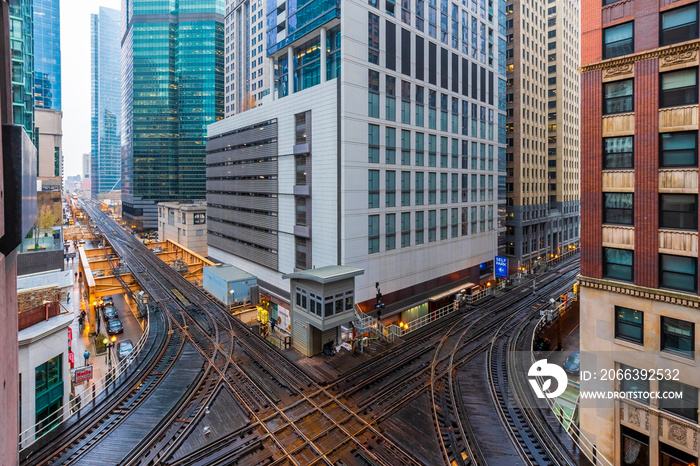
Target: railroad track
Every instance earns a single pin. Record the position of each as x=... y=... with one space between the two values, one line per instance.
x=292 y=419
x=312 y=412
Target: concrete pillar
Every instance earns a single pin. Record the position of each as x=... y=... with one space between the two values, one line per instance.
x=324 y=54
x=290 y=69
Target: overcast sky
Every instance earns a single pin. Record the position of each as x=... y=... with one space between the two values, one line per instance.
x=75 y=77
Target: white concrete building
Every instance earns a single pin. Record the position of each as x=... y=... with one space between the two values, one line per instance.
x=247 y=70
x=381 y=153
x=49 y=123
x=184 y=223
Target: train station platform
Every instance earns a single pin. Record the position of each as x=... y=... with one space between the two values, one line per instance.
x=325 y=369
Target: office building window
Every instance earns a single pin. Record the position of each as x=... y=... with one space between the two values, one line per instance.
x=618 y=40
x=678 y=211
x=629 y=325
x=618 y=264
x=632 y=385
x=618 y=208
x=373 y=233
x=405 y=189
x=373 y=189
x=390 y=150
x=405 y=229
x=390 y=98
x=678 y=336
x=618 y=153
x=679 y=88
x=373 y=102
x=420 y=227
x=390 y=189
x=420 y=188
x=679 y=149
x=685 y=407
x=679 y=25
x=373 y=38
x=373 y=143
x=678 y=272
x=432 y=226
x=390 y=231
x=618 y=97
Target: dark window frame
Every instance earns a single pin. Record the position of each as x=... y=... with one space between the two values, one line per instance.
x=693 y=215
x=619 y=335
x=662 y=282
x=606 y=54
x=664 y=338
x=663 y=42
x=607 y=166
x=606 y=273
x=630 y=97
x=662 y=151
x=606 y=220
x=664 y=96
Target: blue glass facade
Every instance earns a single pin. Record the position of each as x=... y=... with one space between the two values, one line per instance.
x=172 y=88
x=47 y=54
x=302 y=17
x=105 y=158
x=21 y=44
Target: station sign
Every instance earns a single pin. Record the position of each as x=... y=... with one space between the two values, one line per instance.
x=501 y=267
x=82 y=374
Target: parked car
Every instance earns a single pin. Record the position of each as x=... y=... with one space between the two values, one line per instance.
x=108 y=300
x=114 y=327
x=542 y=344
x=124 y=349
x=110 y=313
x=572 y=365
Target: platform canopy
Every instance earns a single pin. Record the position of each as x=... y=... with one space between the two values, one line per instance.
x=329 y=274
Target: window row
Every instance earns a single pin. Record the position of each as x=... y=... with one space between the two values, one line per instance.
x=677 y=25
x=324 y=306
x=449 y=224
x=675 y=272
x=676 y=88
x=676 y=150
x=449 y=150
x=677 y=336
x=676 y=211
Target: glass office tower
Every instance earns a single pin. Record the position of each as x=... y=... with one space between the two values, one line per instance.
x=22 y=45
x=105 y=159
x=172 y=88
x=47 y=54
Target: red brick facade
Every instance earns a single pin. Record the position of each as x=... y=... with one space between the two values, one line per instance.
x=591 y=174
x=646 y=172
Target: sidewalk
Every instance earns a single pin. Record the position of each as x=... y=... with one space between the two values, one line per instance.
x=81 y=340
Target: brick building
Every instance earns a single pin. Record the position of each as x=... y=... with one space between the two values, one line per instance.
x=639 y=179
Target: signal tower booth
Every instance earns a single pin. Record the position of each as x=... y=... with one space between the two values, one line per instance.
x=321 y=301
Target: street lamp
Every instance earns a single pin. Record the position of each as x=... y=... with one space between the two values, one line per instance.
x=109 y=347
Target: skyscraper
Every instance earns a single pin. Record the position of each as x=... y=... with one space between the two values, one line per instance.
x=639 y=220
x=47 y=54
x=172 y=88
x=379 y=148
x=105 y=160
x=542 y=130
x=22 y=40
x=247 y=76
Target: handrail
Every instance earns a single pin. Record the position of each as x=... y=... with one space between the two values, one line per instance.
x=577 y=436
x=76 y=405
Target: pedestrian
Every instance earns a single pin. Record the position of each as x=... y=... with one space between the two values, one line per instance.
x=68 y=298
x=76 y=275
x=80 y=322
x=86 y=355
x=272 y=325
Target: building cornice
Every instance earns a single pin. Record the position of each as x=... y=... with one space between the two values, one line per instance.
x=672 y=53
x=666 y=296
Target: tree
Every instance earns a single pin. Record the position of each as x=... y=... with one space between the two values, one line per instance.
x=46 y=220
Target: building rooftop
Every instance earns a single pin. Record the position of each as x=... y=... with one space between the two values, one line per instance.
x=44 y=328
x=331 y=273
x=229 y=272
x=200 y=204
x=60 y=278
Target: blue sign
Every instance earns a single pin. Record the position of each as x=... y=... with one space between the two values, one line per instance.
x=501 y=267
